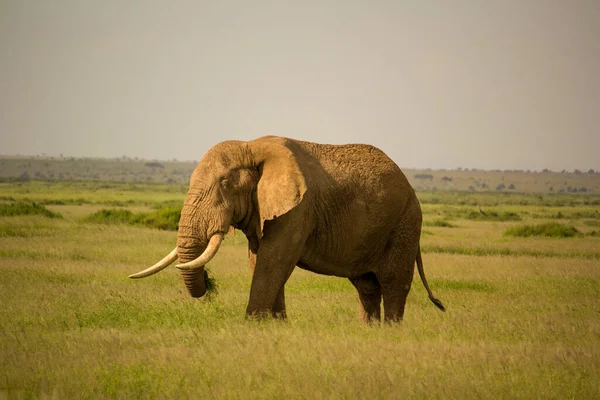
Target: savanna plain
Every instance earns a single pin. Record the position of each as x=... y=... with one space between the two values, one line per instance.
x=518 y=272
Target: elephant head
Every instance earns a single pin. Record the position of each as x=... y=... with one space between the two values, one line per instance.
x=236 y=184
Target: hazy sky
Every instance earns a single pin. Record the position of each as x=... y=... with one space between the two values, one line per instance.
x=505 y=84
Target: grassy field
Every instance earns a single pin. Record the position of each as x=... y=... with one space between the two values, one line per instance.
x=128 y=170
x=523 y=317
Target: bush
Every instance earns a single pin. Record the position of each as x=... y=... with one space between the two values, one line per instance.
x=166 y=218
x=26 y=208
x=550 y=229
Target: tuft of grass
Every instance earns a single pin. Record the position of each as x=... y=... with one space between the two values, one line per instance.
x=166 y=218
x=439 y=223
x=550 y=229
x=212 y=288
x=16 y=208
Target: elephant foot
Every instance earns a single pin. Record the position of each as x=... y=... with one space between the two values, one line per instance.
x=260 y=315
x=280 y=315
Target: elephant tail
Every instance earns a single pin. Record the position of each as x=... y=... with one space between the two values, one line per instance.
x=435 y=301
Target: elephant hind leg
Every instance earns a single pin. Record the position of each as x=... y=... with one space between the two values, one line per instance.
x=396 y=280
x=369 y=295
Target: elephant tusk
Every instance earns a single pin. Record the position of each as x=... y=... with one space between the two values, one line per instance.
x=159 y=266
x=206 y=256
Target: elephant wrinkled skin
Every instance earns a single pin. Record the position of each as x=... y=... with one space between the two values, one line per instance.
x=342 y=210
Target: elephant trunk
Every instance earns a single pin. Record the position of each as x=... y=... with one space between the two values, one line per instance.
x=194 y=280
x=189 y=247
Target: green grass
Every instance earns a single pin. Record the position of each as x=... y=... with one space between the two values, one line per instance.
x=578 y=214
x=491 y=215
x=15 y=208
x=508 y=251
x=439 y=223
x=592 y=223
x=522 y=319
x=549 y=229
x=491 y=199
x=166 y=218
x=454 y=212
x=115 y=194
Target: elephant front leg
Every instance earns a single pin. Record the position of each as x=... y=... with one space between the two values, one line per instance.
x=278 y=252
x=278 y=310
x=271 y=272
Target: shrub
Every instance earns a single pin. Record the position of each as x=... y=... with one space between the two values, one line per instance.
x=550 y=229
x=26 y=208
x=166 y=218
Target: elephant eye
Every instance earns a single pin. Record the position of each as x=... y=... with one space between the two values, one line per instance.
x=224 y=183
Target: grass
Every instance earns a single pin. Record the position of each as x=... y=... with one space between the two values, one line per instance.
x=592 y=223
x=166 y=218
x=522 y=319
x=15 y=208
x=493 y=216
x=115 y=194
x=491 y=199
x=439 y=223
x=549 y=229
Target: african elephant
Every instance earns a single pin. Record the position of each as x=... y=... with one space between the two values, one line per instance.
x=342 y=210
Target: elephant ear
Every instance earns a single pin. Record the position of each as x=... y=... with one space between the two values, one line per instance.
x=282 y=184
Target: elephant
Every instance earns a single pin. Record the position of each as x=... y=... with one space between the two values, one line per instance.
x=341 y=210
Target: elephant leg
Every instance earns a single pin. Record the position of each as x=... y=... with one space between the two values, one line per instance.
x=267 y=289
x=396 y=278
x=278 y=310
x=251 y=259
x=276 y=258
x=369 y=296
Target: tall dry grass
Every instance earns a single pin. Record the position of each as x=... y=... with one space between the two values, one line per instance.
x=520 y=324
